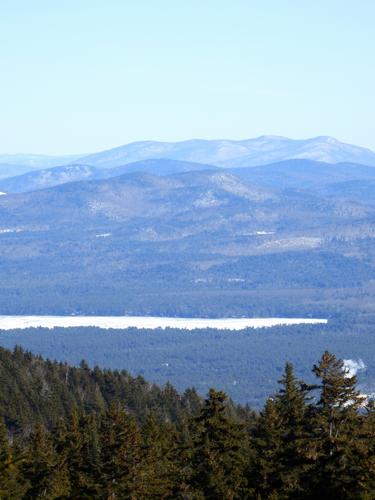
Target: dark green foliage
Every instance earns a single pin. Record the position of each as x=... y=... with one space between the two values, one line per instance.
x=12 y=484
x=36 y=391
x=43 y=468
x=281 y=460
x=250 y=360
x=340 y=445
x=308 y=442
x=264 y=471
x=219 y=451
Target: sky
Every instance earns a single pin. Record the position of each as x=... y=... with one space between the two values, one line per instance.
x=79 y=76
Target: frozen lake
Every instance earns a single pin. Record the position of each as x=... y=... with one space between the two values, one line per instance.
x=122 y=322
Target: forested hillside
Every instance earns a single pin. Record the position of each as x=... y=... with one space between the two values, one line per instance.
x=245 y=364
x=37 y=391
x=197 y=243
x=111 y=436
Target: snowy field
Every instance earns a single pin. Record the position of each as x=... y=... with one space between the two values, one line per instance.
x=122 y=322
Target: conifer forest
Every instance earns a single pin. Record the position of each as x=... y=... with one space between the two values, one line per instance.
x=76 y=432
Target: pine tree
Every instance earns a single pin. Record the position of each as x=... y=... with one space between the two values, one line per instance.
x=337 y=421
x=42 y=468
x=218 y=461
x=61 y=445
x=298 y=447
x=183 y=458
x=12 y=484
x=367 y=455
x=121 y=455
x=265 y=468
x=160 y=470
x=291 y=402
x=80 y=445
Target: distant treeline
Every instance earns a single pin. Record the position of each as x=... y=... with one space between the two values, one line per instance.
x=93 y=434
x=244 y=364
x=70 y=280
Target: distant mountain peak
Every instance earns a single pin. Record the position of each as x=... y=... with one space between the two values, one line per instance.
x=203 y=153
x=271 y=138
x=236 y=153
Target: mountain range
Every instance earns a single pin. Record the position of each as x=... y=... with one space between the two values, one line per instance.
x=225 y=235
x=195 y=242
x=225 y=153
x=342 y=180
x=55 y=176
x=124 y=232
x=245 y=153
x=198 y=242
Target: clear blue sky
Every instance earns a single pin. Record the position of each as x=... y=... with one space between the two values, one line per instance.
x=79 y=76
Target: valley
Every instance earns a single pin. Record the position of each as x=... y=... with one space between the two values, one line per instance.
x=208 y=263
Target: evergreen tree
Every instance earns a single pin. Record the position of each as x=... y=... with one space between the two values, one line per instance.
x=12 y=484
x=337 y=421
x=42 y=468
x=296 y=448
x=184 y=452
x=121 y=457
x=280 y=441
x=264 y=476
x=75 y=444
x=293 y=460
x=367 y=454
x=160 y=470
x=218 y=460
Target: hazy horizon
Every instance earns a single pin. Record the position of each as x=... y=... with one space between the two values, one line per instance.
x=87 y=153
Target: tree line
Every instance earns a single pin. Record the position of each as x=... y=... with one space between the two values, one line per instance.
x=113 y=436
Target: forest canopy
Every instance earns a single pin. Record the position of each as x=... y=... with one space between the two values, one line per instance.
x=76 y=432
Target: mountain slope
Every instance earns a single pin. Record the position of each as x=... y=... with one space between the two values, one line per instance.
x=131 y=195
x=304 y=174
x=208 y=200
x=362 y=191
x=322 y=148
x=159 y=166
x=45 y=178
x=55 y=176
x=19 y=164
x=23 y=403
x=194 y=243
x=227 y=153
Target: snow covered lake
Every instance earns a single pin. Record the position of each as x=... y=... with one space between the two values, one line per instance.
x=122 y=322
